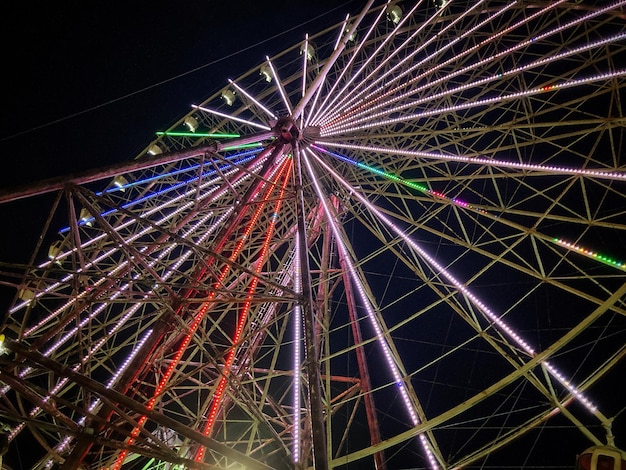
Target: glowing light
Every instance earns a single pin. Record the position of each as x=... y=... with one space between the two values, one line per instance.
x=436 y=267
x=400 y=180
x=598 y=173
x=279 y=85
x=297 y=353
x=234 y=118
x=247 y=156
x=243 y=146
x=251 y=98
x=591 y=254
x=375 y=321
x=197 y=134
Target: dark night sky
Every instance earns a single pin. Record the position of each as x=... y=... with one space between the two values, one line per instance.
x=87 y=84
x=90 y=82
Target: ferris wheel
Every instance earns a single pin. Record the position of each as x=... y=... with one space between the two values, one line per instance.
x=399 y=243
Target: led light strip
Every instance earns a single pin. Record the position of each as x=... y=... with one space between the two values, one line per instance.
x=64 y=444
x=590 y=254
x=378 y=94
x=234 y=118
x=437 y=268
x=371 y=314
x=400 y=180
x=339 y=129
x=247 y=156
x=610 y=175
x=197 y=134
x=297 y=353
x=254 y=100
x=279 y=85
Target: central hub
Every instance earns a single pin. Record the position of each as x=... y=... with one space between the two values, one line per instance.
x=287 y=132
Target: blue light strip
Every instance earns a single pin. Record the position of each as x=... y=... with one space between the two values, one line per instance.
x=247 y=156
x=400 y=180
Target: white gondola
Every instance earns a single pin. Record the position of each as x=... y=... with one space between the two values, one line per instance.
x=310 y=51
x=351 y=30
x=54 y=252
x=120 y=182
x=266 y=73
x=85 y=217
x=229 y=96
x=191 y=123
x=155 y=149
x=394 y=13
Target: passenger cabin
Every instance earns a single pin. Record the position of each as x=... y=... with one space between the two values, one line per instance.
x=602 y=458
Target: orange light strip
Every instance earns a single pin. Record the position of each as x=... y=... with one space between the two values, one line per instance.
x=219 y=393
x=194 y=326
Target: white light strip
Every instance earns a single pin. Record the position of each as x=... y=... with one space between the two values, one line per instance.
x=297 y=353
x=372 y=316
x=318 y=92
x=251 y=98
x=440 y=270
x=279 y=85
x=234 y=118
x=610 y=175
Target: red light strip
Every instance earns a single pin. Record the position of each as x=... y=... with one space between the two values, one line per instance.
x=219 y=393
x=193 y=327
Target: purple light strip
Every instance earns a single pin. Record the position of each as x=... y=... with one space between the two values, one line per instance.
x=339 y=129
x=373 y=317
x=440 y=270
x=610 y=175
x=398 y=96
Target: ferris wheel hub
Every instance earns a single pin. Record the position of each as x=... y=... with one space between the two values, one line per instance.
x=286 y=130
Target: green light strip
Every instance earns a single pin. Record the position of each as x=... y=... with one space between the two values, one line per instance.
x=590 y=254
x=400 y=180
x=198 y=134
x=243 y=146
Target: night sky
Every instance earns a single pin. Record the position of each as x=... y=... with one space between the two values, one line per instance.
x=87 y=84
